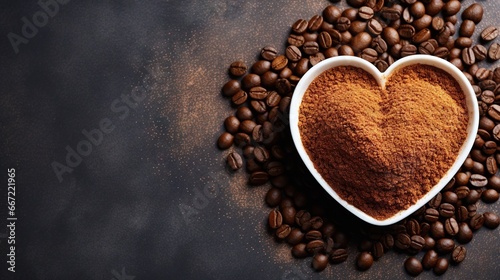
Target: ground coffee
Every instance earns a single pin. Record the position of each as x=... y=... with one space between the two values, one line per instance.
x=383 y=149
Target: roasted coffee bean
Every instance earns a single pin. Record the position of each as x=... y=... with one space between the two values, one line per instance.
x=494 y=51
x=462 y=192
x=412 y=227
x=472 y=197
x=429 y=243
x=374 y=27
x=464 y=234
x=247 y=126
x=458 y=254
x=377 y=250
x=301 y=217
x=361 y=41
x=356 y=3
x=437 y=23
x=462 y=214
x=295 y=236
x=299 y=26
x=369 y=54
x=261 y=154
x=258 y=178
x=491 y=220
x=435 y=201
x=451 y=226
x=365 y=13
x=488 y=97
x=468 y=56
x=296 y=40
x=433 y=7
x=441 y=265
x=408 y=50
x=430 y=259
x=273 y=197
x=446 y=210
x=474 y=12
x=343 y=24
x=315 y=23
x=244 y=113
x=463 y=42
x=421 y=36
x=450 y=197
x=273 y=99
x=293 y=53
x=365 y=245
x=494 y=181
x=324 y=41
x=413 y=266
x=260 y=67
x=331 y=14
x=258 y=93
x=338 y=255
x=478 y=181
x=451 y=7
x=445 y=245
x=402 y=241
x=381 y=65
x=283 y=231
x=313 y=235
x=250 y=80
x=489 y=33
x=238 y=68
x=234 y=161
x=379 y=45
x=225 y=140
x=364 y=261
x=283 y=86
x=315 y=246
x=417 y=243
x=467 y=28
x=424 y=22
x=442 y=52
x=406 y=31
x=275 y=219
x=231 y=124
x=390 y=13
x=231 y=88
x=268 y=53
x=489 y=147
x=345 y=50
x=299 y=251
x=319 y=262
x=357 y=26
x=431 y=215
x=476 y=222
x=437 y=230
x=472 y=208
x=489 y=196
x=288 y=214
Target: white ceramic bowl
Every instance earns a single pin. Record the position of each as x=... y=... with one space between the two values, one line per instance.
x=472 y=108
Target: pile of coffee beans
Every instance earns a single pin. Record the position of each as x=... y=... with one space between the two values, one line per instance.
x=381 y=32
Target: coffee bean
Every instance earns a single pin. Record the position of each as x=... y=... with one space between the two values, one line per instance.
x=268 y=53
x=451 y=226
x=472 y=208
x=462 y=192
x=433 y=7
x=283 y=231
x=413 y=266
x=421 y=36
x=429 y=243
x=231 y=124
x=489 y=196
x=365 y=13
x=417 y=243
x=441 y=266
x=474 y=12
x=374 y=27
x=491 y=220
x=258 y=178
x=238 y=68
x=424 y=22
x=446 y=210
x=445 y=245
x=342 y=24
x=435 y=201
x=225 y=140
x=478 y=181
x=244 y=113
x=451 y=7
x=364 y=261
x=464 y=234
x=450 y=197
x=300 y=26
x=406 y=31
x=442 y=52
x=315 y=23
x=467 y=28
x=369 y=54
x=462 y=214
x=402 y=241
x=408 y=50
x=431 y=215
x=338 y=255
x=331 y=14
x=275 y=219
x=494 y=51
x=231 y=88
x=468 y=56
x=381 y=65
x=430 y=259
x=299 y=251
x=390 y=13
x=437 y=230
x=320 y=262
x=250 y=80
x=489 y=33
x=458 y=254
x=313 y=235
x=346 y=50
x=234 y=161
x=476 y=222
x=377 y=250
x=357 y=26
x=295 y=236
x=295 y=40
x=361 y=41
x=315 y=246
x=324 y=40
x=356 y=3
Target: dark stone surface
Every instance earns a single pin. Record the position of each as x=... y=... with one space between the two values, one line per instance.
x=119 y=212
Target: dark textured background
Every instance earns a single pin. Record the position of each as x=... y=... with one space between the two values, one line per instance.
x=119 y=213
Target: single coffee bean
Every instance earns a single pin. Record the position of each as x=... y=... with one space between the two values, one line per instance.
x=225 y=140
x=268 y=53
x=315 y=246
x=435 y=201
x=450 y=197
x=231 y=124
x=260 y=67
x=463 y=42
x=315 y=23
x=431 y=215
x=491 y=220
x=468 y=56
x=244 y=113
x=275 y=219
x=451 y=7
x=288 y=214
x=402 y=241
x=346 y=50
x=299 y=251
x=445 y=245
x=417 y=243
x=331 y=14
x=283 y=231
x=472 y=208
x=313 y=235
x=489 y=196
x=295 y=236
x=338 y=255
x=390 y=13
x=234 y=161
x=301 y=217
x=442 y=52
x=441 y=266
x=474 y=12
x=295 y=40
x=429 y=243
x=324 y=40
x=413 y=266
x=231 y=88
x=343 y=24
x=273 y=197
x=437 y=23
x=446 y=210
x=437 y=230
x=489 y=33
x=374 y=27
x=250 y=80
x=433 y=7
x=408 y=50
x=430 y=259
x=462 y=192
x=293 y=53
x=462 y=214
x=258 y=178
x=464 y=234
x=319 y=262
x=476 y=222
x=478 y=181
x=378 y=250
x=488 y=97
x=458 y=255
x=451 y=226
x=421 y=36
x=494 y=51
x=406 y=31
x=364 y=261
x=238 y=68
x=300 y=26
x=467 y=28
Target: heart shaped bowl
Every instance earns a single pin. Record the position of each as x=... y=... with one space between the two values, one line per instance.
x=472 y=126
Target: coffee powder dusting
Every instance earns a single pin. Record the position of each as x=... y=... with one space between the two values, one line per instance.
x=383 y=149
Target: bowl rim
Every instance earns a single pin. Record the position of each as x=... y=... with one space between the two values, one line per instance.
x=472 y=126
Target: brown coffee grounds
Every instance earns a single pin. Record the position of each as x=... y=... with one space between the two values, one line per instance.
x=383 y=149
